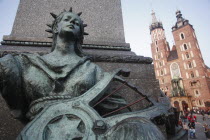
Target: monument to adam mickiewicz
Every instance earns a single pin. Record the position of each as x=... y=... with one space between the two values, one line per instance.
x=65 y=96
x=58 y=92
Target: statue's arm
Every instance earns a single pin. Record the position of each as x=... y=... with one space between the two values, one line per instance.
x=9 y=75
x=10 y=85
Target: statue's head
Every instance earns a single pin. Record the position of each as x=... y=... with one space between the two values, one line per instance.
x=67 y=25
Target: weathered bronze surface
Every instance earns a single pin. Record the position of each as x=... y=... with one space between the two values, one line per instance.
x=58 y=93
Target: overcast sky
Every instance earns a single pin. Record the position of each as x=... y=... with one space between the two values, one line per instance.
x=137 y=18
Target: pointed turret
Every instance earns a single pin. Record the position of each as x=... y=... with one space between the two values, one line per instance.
x=155 y=23
x=180 y=21
x=154 y=19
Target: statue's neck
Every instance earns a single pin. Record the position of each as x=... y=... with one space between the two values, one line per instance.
x=65 y=47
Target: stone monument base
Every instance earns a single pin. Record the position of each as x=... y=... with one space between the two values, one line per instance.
x=142 y=75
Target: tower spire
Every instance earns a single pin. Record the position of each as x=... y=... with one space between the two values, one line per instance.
x=154 y=19
x=179 y=16
x=180 y=21
x=155 y=23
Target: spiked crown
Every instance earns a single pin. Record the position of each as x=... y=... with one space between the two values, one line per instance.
x=51 y=26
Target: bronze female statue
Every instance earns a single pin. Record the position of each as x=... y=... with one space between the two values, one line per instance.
x=55 y=92
x=63 y=73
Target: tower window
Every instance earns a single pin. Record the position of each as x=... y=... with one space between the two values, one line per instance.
x=190 y=65
x=196 y=92
x=185 y=46
x=161 y=72
x=160 y=63
x=159 y=56
x=156 y=43
x=157 y=49
x=191 y=83
x=182 y=36
x=192 y=75
x=187 y=55
x=200 y=102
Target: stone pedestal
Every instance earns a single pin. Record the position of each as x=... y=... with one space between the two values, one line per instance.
x=104 y=19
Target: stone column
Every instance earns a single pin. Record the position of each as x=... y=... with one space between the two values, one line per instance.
x=104 y=19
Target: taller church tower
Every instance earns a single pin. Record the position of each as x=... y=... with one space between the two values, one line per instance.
x=160 y=51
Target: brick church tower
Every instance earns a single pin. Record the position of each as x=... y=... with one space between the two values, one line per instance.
x=181 y=71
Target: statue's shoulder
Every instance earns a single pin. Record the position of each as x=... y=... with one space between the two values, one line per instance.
x=8 y=60
x=27 y=58
x=7 y=57
x=30 y=55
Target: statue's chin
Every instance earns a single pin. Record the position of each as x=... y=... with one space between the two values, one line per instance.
x=68 y=34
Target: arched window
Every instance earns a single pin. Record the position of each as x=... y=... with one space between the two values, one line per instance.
x=196 y=92
x=187 y=55
x=159 y=56
x=157 y=49
x=200 y=102
x=160 y=64
x=185 y=46
x=175 y=71
x=161 y=72
x=190 y=65
x=182 y=36
x=163 y=81
x=156 y=43
x=192 y=74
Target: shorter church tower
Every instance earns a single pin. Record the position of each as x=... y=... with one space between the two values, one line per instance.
x=193 y=68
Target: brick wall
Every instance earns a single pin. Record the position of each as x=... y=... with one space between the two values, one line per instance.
x=194 y=73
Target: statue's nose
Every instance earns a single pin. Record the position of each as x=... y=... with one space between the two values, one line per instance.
x=72 y=20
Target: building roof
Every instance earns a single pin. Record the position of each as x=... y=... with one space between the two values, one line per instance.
x=172 y=55
x=180 y=21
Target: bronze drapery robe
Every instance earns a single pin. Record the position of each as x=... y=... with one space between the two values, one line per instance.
x=28 y=77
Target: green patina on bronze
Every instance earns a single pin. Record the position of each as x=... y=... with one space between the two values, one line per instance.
x=55 y=92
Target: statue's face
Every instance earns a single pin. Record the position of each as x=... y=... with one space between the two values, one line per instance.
x=69 y=25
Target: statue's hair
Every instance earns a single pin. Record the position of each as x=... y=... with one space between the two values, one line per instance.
x=53 y=30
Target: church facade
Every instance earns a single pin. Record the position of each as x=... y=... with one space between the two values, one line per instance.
x=180 y=70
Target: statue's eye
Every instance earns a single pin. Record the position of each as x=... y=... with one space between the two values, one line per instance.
x=65 y=19
x=77 y=23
